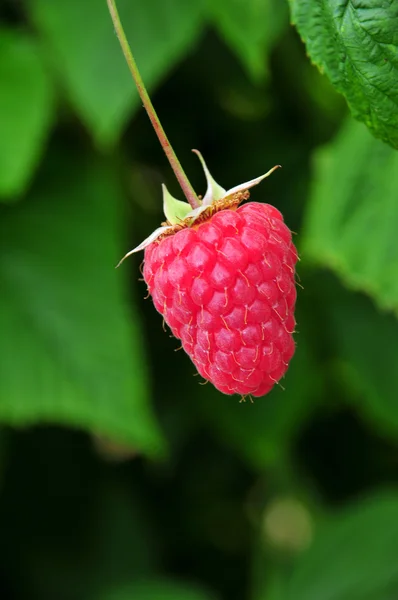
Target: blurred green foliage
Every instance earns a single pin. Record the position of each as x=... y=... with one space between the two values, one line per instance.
x=122 y=478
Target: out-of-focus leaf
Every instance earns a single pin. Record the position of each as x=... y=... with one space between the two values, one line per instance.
x=353 y=214
x=26 y=110
x=251 y=28
x=90 y=61
x=356 y=44
x=71 y=350
x=367 y=349
x=353 y=557
x=157 y=589
x=263 y=431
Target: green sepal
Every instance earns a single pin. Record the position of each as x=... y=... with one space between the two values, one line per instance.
x=174 y=210
x=214 y=191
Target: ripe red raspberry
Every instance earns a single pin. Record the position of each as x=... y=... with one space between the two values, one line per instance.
x=223 y=278
x=226 y=288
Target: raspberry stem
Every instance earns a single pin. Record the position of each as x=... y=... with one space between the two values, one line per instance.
x=173 y=160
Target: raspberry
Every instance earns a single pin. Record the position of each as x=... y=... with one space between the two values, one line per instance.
x=226 y=288
x=223 y=277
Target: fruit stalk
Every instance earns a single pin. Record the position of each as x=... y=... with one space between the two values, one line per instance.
x=173 y=160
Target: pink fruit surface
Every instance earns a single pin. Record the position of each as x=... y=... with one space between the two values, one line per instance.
x=226 y=288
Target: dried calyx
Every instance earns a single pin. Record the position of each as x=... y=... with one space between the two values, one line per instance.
x=180 y=214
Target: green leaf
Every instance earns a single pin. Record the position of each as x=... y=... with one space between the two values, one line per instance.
x=353 y=214
x=353 y=557
x=251 y=28
x=263 y=431
x=366 y=344
x=90 y=61
x=26 y=111
x=71 y=351
x=156 y=589
x=355 y=42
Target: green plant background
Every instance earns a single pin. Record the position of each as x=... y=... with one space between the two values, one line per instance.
x=121 y=477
